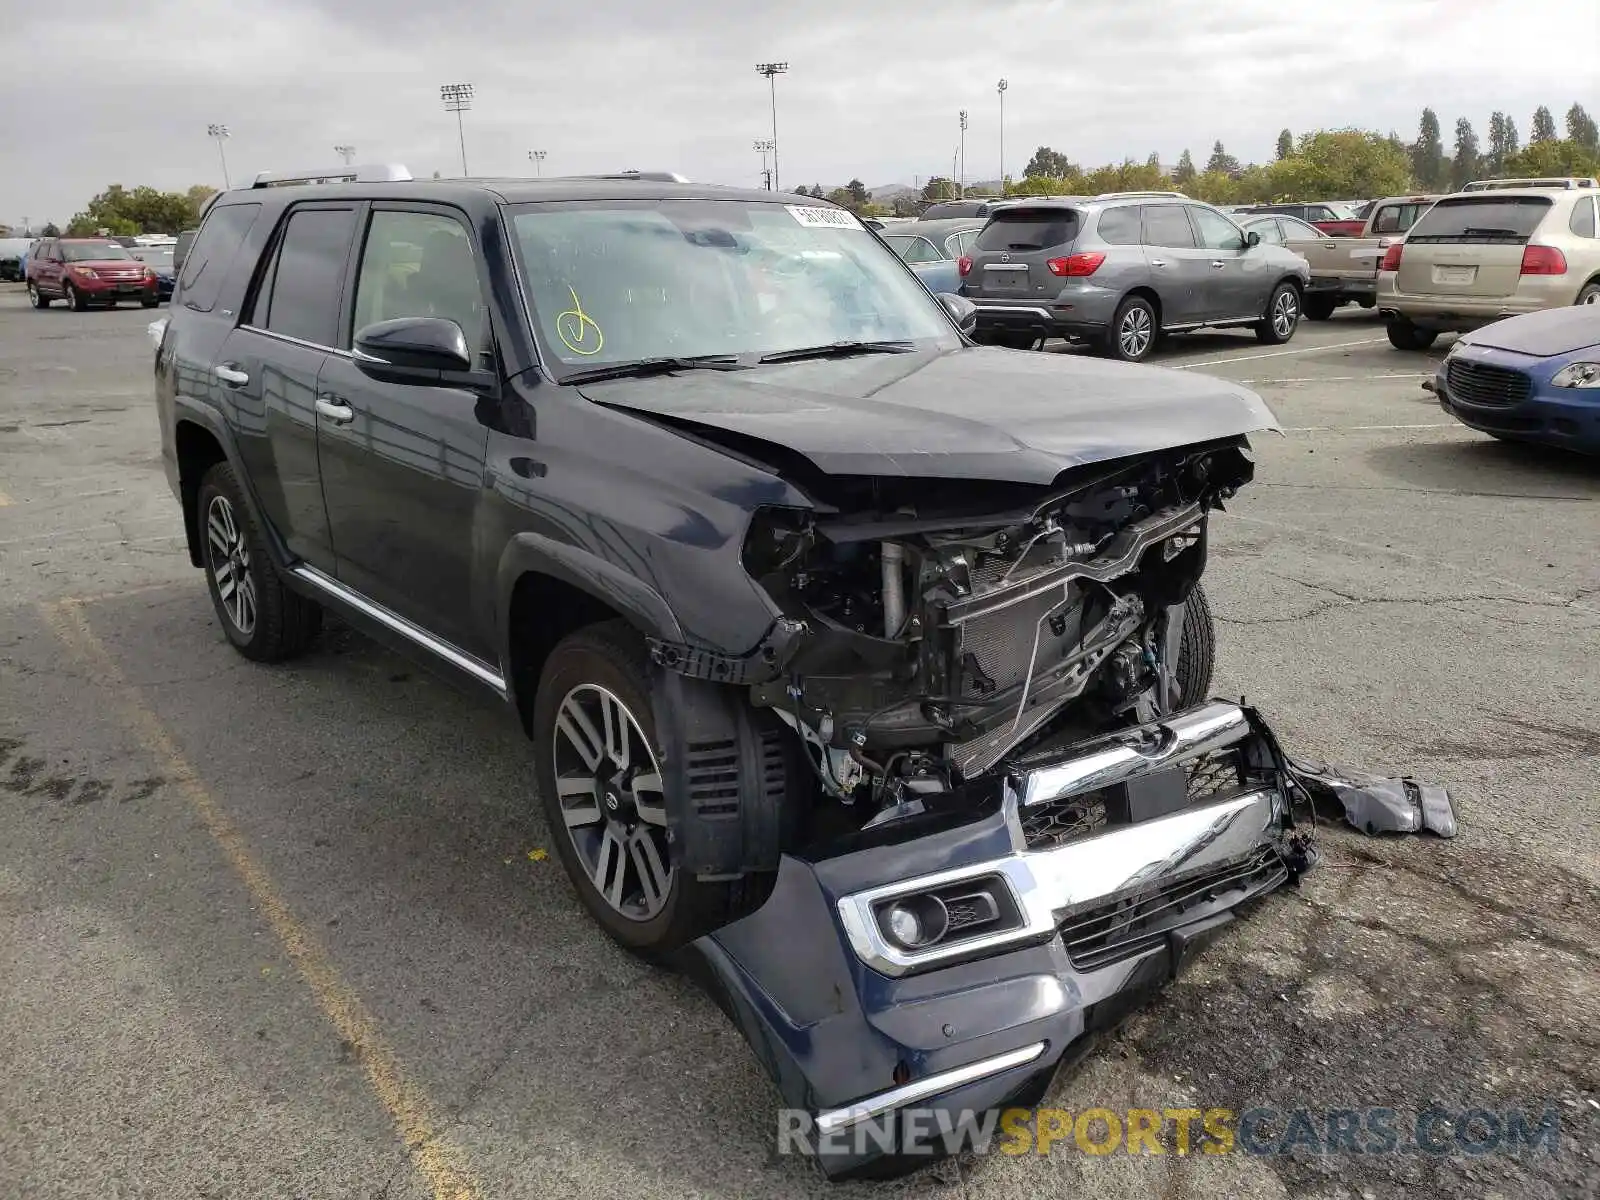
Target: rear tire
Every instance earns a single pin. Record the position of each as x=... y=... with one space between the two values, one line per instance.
x=1197 y=652
x=263 y=619
x=599 y=666
x=1282 y=316
x=1590 y=293
x=1318 y=308
x=1134 y=331
x=1403 y=335
x=37 y=298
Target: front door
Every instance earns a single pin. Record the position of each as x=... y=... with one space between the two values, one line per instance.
x=266 y=372
x=403 y=464
x=1236 y=275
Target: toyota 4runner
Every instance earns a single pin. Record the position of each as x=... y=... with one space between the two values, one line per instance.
x=863 y=665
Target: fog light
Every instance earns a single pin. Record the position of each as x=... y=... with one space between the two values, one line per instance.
x=916 y=921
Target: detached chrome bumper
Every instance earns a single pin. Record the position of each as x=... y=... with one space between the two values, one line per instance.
x=1104 y=864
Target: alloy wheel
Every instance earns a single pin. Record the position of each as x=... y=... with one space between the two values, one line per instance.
x=1285 y=313
x=609 y=786
x=229 y=556
x=1590 y=297
x=1135 y=332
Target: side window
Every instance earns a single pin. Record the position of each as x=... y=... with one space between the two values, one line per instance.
x=964 y=242
x=1167 y=225
x=1318 y=212
x=920 y=251
x=1270 y=231
x=308 y=276
x=420 y=264
x=1120 y=226
x=1216 y=231
x=1387 y=220
x=1582 y=221
x=210 y=259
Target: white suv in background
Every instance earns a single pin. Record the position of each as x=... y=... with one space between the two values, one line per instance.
x=1487 y=253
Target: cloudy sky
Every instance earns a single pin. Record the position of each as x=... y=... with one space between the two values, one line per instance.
x=873 y=88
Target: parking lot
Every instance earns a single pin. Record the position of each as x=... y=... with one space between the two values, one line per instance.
x=291 y=931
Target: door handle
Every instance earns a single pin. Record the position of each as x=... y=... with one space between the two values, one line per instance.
x=229 y=373
x=335 y=409
x=1158 y=262
x=1218 y=263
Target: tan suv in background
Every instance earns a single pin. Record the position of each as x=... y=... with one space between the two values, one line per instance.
x=1492 y=252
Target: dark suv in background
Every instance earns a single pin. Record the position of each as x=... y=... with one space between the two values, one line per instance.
x=807 y=603
x=1120 y=270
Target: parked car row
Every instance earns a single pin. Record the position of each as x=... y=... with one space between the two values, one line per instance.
x=86 y=271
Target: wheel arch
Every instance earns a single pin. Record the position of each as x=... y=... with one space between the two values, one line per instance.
x=198 y=449
x=1147 y=293
x=548 y=590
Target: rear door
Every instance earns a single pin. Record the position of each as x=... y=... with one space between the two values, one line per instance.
x=268 y=369
x=1470 y=245
x=1179 y=269
x=1010 y=252
x=45 y=266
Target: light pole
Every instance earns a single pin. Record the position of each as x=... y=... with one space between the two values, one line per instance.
x=1001 y=89
x=536 y=157
x=772 y=70
x=765 y=146
x=961 y=186
x=220 y=132
x=347 y=153
x=457 y=98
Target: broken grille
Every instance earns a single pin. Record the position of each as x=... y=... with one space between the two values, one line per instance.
x=1045 y=826
x=1121 y=929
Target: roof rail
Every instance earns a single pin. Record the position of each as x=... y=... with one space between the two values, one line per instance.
x=1565 y=183
x=644 y=176
x=372 y=173
x=1136 y=195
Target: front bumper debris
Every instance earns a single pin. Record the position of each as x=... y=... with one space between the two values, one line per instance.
x=1105 y=866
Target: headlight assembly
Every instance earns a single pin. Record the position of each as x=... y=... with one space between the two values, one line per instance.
x=1578 y=375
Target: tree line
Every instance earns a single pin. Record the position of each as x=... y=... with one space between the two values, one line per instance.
x=1336 y=164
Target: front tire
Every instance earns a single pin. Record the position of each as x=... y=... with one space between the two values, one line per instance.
x=75 y=299
x=1282 y=316
x=601 y=788
x=37 y=298
x=1403 y=335
x=1134 y=331
x=1197 y=651
x=263 y=619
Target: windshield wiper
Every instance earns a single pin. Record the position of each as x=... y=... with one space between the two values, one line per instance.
x=838 y=350
x=656 y=366
x=1474 y=231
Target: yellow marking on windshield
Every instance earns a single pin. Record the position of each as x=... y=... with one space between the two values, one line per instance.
x=573 y=326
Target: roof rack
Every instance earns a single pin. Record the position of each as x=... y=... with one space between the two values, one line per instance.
x=372 y=173
x=645 y=176
x=1565 y=183
x=1137 y=195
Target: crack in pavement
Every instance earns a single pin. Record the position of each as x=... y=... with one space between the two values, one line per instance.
x=1342 y=599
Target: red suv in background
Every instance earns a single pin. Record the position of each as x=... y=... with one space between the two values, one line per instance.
x=85 y=271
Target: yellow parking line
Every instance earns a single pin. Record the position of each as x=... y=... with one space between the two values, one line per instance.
x=435 y=1157
x=4 y=499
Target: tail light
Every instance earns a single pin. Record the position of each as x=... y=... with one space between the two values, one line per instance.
x=1075 y=265
x=963 y=265
x=1543 y=260
x=1391 y=257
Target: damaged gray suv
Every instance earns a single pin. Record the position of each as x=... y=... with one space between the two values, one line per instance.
x=865 y=667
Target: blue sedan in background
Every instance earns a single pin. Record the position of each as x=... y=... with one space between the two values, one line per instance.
x=1533 y=378
x=932 y=248
x=159 y=260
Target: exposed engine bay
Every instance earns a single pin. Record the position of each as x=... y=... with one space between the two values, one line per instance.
x=936 y=631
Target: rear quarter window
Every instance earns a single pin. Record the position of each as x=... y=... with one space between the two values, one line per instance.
x=1489 y=220
x=1119 y=226
x=210 y=260
x=1029 y=229
x=1582 y=220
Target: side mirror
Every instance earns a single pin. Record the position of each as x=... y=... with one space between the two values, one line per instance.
x=1252 y=239
x=962 y=311
x=412 y=350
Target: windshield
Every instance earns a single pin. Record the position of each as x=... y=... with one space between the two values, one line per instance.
x=92 y=251
x=620 y=281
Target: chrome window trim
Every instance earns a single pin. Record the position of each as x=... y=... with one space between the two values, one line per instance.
x=294 y=341
x=478 y=669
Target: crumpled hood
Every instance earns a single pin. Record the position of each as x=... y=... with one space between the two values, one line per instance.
x=1542 y=334
x=977 y=413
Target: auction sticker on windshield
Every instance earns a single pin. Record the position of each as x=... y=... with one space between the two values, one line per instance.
x=823 y=218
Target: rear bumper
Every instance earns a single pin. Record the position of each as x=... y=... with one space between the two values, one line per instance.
x=1075 y=310
x=869 y=1044
x=1460 y=314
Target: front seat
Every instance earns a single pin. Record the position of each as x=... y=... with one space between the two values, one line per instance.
x=445 y=284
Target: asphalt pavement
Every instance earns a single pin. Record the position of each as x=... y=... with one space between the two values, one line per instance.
x=294 y=931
